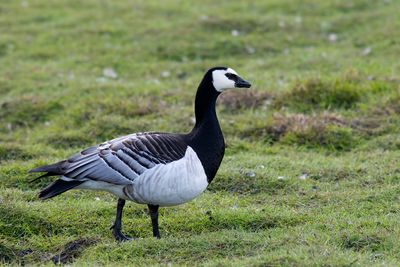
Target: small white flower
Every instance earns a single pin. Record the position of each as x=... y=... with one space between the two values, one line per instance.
x=303 y=176
x=110 y=73
x=332 y=37
x=165 y=74
x=367 y=51
x=235 y=33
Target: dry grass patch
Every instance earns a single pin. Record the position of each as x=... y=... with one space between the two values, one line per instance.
x=323 y=130
x=328 y=130
x=236 y=100
x=317 y=94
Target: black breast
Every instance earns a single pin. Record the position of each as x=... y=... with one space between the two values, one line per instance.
x=209 y=145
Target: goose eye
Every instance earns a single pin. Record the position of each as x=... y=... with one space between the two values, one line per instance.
x=231 y=76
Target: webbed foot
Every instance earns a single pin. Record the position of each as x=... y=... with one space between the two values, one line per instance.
x=119 y=236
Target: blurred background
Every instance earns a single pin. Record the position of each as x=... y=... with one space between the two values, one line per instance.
x=311 y=169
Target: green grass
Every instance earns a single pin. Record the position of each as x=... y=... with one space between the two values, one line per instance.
x=311 y=175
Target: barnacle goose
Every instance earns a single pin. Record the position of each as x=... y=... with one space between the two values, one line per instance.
x=153 y=168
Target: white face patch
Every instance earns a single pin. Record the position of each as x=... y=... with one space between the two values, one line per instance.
x=221 y=82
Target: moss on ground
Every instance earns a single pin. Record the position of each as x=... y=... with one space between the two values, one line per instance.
x=311 y=173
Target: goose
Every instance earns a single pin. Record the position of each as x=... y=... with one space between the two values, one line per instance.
x=153 y=168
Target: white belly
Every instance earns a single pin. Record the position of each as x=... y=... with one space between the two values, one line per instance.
x=170 y=184
x=164 y=185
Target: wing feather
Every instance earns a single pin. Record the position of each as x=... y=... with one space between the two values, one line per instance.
x=118 y=165
x=121 y=160
x=135 y=163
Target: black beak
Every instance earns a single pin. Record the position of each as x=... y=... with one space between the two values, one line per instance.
x=240 y=83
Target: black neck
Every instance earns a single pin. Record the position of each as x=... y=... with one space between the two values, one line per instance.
x=204 y=107
x=206 y=137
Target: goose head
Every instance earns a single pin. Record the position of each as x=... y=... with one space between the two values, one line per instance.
x=226 y=78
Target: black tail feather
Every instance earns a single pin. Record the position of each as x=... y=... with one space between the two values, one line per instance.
x=50 y=170
x=57 y=187
x=55 y=169
x=41 y=176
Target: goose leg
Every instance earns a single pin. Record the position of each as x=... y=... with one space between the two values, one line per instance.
x=154 y=219
x=116 y=228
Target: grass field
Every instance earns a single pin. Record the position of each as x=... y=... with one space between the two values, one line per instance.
x=311 y=175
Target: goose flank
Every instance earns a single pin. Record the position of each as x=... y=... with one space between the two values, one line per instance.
x=153 y=168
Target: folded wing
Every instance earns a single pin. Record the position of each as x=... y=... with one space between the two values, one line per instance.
x=119 y=161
